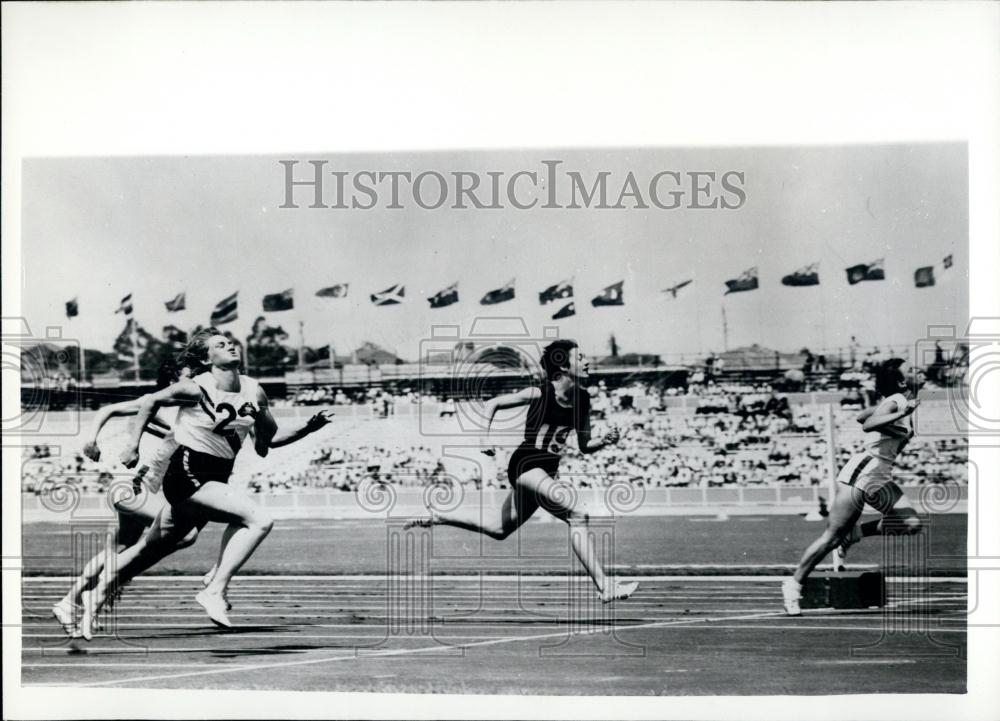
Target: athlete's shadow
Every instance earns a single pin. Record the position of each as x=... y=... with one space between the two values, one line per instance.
x=208 y=632
x=278 y=650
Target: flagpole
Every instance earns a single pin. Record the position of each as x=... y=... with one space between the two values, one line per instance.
x=302 y=345
x=725 y=328
x=135 y=348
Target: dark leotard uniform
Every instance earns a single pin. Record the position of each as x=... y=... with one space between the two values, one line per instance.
x=546 y=432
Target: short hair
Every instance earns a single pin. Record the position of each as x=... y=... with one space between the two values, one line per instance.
x=555 y=357
x=195 y=353
x=889 y=377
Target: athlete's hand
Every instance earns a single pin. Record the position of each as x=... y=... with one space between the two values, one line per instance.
x=613 y=436
x=319 y=420
x=91 y=451
x=911 y=405
x=130 y=456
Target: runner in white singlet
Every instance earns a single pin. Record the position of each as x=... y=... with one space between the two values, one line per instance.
x=867 y=478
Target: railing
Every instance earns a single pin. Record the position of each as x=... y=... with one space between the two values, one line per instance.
x=409 y=502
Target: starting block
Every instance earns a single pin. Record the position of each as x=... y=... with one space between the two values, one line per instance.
x=847 y=589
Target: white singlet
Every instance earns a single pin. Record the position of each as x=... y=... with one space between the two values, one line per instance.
x=220 y=420
x=874 y=464
x=156 y=447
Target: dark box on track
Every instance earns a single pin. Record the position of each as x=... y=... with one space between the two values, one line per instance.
x=848 y=589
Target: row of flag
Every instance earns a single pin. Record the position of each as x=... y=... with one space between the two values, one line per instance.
x=226 y=310
x=923 y=277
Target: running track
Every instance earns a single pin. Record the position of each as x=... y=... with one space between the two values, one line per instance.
x=505 y=634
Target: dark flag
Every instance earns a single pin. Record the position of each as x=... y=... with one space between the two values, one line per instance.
x=225 y=310
x=72 y=308
x=866 y=271
x=947 y=261
x=556 y=292
x=565 y=312
x=808 y=275
x=174 y=335
x=674 y=288
x=924 y=277
x=612 y=295
x=275 y=302
x=499 y=295
x=444 y=298
x=126 y=305
x=393 y=295
x=333 y=291
x=746 y=281
x=178 y=303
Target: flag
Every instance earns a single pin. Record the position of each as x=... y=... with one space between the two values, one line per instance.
x=126 y=305
x=333 y=291
x=565 y=312
x=746 y=281
x=556 y=292
x=72 y=308
x=866 y=271
x=178 y=303
x=499 y=295
x=612 y=295
x=924 y=277
x=947 y=261
x=444 y=298
x=393 y=295
x=674 y=288
x=275 y=302
x=225 y=310
x=807 y=275
x=174 y=335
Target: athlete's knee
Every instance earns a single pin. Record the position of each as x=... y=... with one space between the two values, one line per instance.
x=902 y=524
x=188 y=539
x=261 y=521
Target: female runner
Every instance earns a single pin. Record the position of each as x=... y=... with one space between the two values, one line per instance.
x=218 y=409
x=557 y=408
x=867 y=478
x=136 y=513
x=169 y=532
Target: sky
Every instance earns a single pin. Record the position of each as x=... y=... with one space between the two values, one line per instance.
x=97 y=229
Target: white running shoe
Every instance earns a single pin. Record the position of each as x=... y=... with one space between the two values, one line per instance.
x=791 y=590
x=65 y=613
x=618 y=591
x=88 y=621
x=215 y=607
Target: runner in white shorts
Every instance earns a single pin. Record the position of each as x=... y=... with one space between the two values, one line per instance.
x=867 y=478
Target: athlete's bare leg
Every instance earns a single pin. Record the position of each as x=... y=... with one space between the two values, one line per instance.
x=532 y=489
x=250 y=525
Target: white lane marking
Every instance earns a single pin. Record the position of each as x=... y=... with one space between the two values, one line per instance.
x=452 y=637
x=861 y=661
x=437 y=648
x=510 y=577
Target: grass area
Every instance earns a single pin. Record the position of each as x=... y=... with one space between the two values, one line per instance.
x=640 y=545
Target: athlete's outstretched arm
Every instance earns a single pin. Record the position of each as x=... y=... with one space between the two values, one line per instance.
x=284 y=438
x=886 y=413
x=264 y=425
x=509 y=400
x=183 y=391
x=106 y=413
x=592 y=445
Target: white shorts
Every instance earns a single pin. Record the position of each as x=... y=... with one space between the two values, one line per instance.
x=873 y=477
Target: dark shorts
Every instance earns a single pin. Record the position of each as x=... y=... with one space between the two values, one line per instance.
x=190 y=470
x=526 y=458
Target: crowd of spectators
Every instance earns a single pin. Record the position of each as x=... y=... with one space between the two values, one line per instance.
x=730 y=434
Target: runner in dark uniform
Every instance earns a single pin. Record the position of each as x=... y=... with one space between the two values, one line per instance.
x=559 y=407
